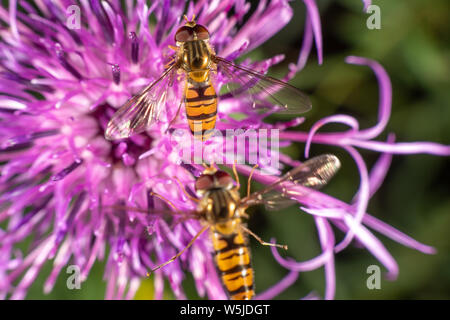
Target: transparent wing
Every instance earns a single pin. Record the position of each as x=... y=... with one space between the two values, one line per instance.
x=260 y=91
x=314 y=173
x=142 y=110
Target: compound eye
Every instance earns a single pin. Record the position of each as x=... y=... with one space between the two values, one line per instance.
x=204 y=182
x=223 y=178
x=184 y=34
x=202 y=32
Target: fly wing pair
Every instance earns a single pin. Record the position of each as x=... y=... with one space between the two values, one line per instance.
x=251 y=87
x=142 y=110
x=313 y=173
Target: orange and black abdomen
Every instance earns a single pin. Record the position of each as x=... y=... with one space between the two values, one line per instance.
x=201 y=107
x=232 y=258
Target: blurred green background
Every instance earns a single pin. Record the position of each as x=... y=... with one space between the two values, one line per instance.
x=412 y=45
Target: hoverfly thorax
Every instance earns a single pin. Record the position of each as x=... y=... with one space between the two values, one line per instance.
x=220 y=196
x=195 y=52
x=221 y=210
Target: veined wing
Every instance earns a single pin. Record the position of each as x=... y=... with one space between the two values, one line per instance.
x=313 y=173
x=142 y=110
x=262 y=92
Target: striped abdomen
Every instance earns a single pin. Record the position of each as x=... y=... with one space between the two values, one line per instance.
x=201 y=107
x=232 y=258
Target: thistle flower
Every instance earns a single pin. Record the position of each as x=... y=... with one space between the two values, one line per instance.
x=60 y=86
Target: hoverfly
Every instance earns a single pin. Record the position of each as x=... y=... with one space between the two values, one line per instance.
x=221 y=210
x=196 y=61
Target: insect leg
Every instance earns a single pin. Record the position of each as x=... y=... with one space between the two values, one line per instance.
x=185 y=191
x=168 y=64
x=238 y=184
x=170 y=204
x=176 y=116
x=250 y=179
x=282 y=246
x=181 y=252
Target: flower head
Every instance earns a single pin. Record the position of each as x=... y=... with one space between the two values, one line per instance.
x=68 y=188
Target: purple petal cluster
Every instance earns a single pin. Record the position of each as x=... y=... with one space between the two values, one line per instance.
x=64 y=188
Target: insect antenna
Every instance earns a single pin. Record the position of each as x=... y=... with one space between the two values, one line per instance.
x=190 y=23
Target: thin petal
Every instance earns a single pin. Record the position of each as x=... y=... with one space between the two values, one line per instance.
x=282 y=285
x=339 y=118
x=313 y=13
x=326 y=237
x=362 y=200
x=385 y=96
x=373 y=245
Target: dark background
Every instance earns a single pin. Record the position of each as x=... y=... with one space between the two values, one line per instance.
x=412 y=45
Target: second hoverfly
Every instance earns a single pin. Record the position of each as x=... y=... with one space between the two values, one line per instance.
x=222 y=211
x=197 y=62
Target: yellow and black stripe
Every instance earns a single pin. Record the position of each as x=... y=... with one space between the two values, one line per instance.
x=201 y=108
x=232 y=258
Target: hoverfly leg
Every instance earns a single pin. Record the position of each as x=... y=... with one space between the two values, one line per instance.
x=238 y=184
x=185 y=191
x=285 y=247
x=174 y=118
x=244 y=215
x=181 y=252
x=250 y=179
x=170 y=204
x=168 y=64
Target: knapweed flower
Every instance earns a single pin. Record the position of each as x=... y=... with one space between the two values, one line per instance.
x=66 y=188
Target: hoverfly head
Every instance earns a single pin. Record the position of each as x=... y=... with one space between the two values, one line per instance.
x=204 y=182
x=191 y=31
x=223 y=180
x=213 y=180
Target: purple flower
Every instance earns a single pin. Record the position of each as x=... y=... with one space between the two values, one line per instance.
x=64 y=186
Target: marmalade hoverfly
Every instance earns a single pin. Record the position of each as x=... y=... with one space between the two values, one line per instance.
x=196 y=61
x=221 y=210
